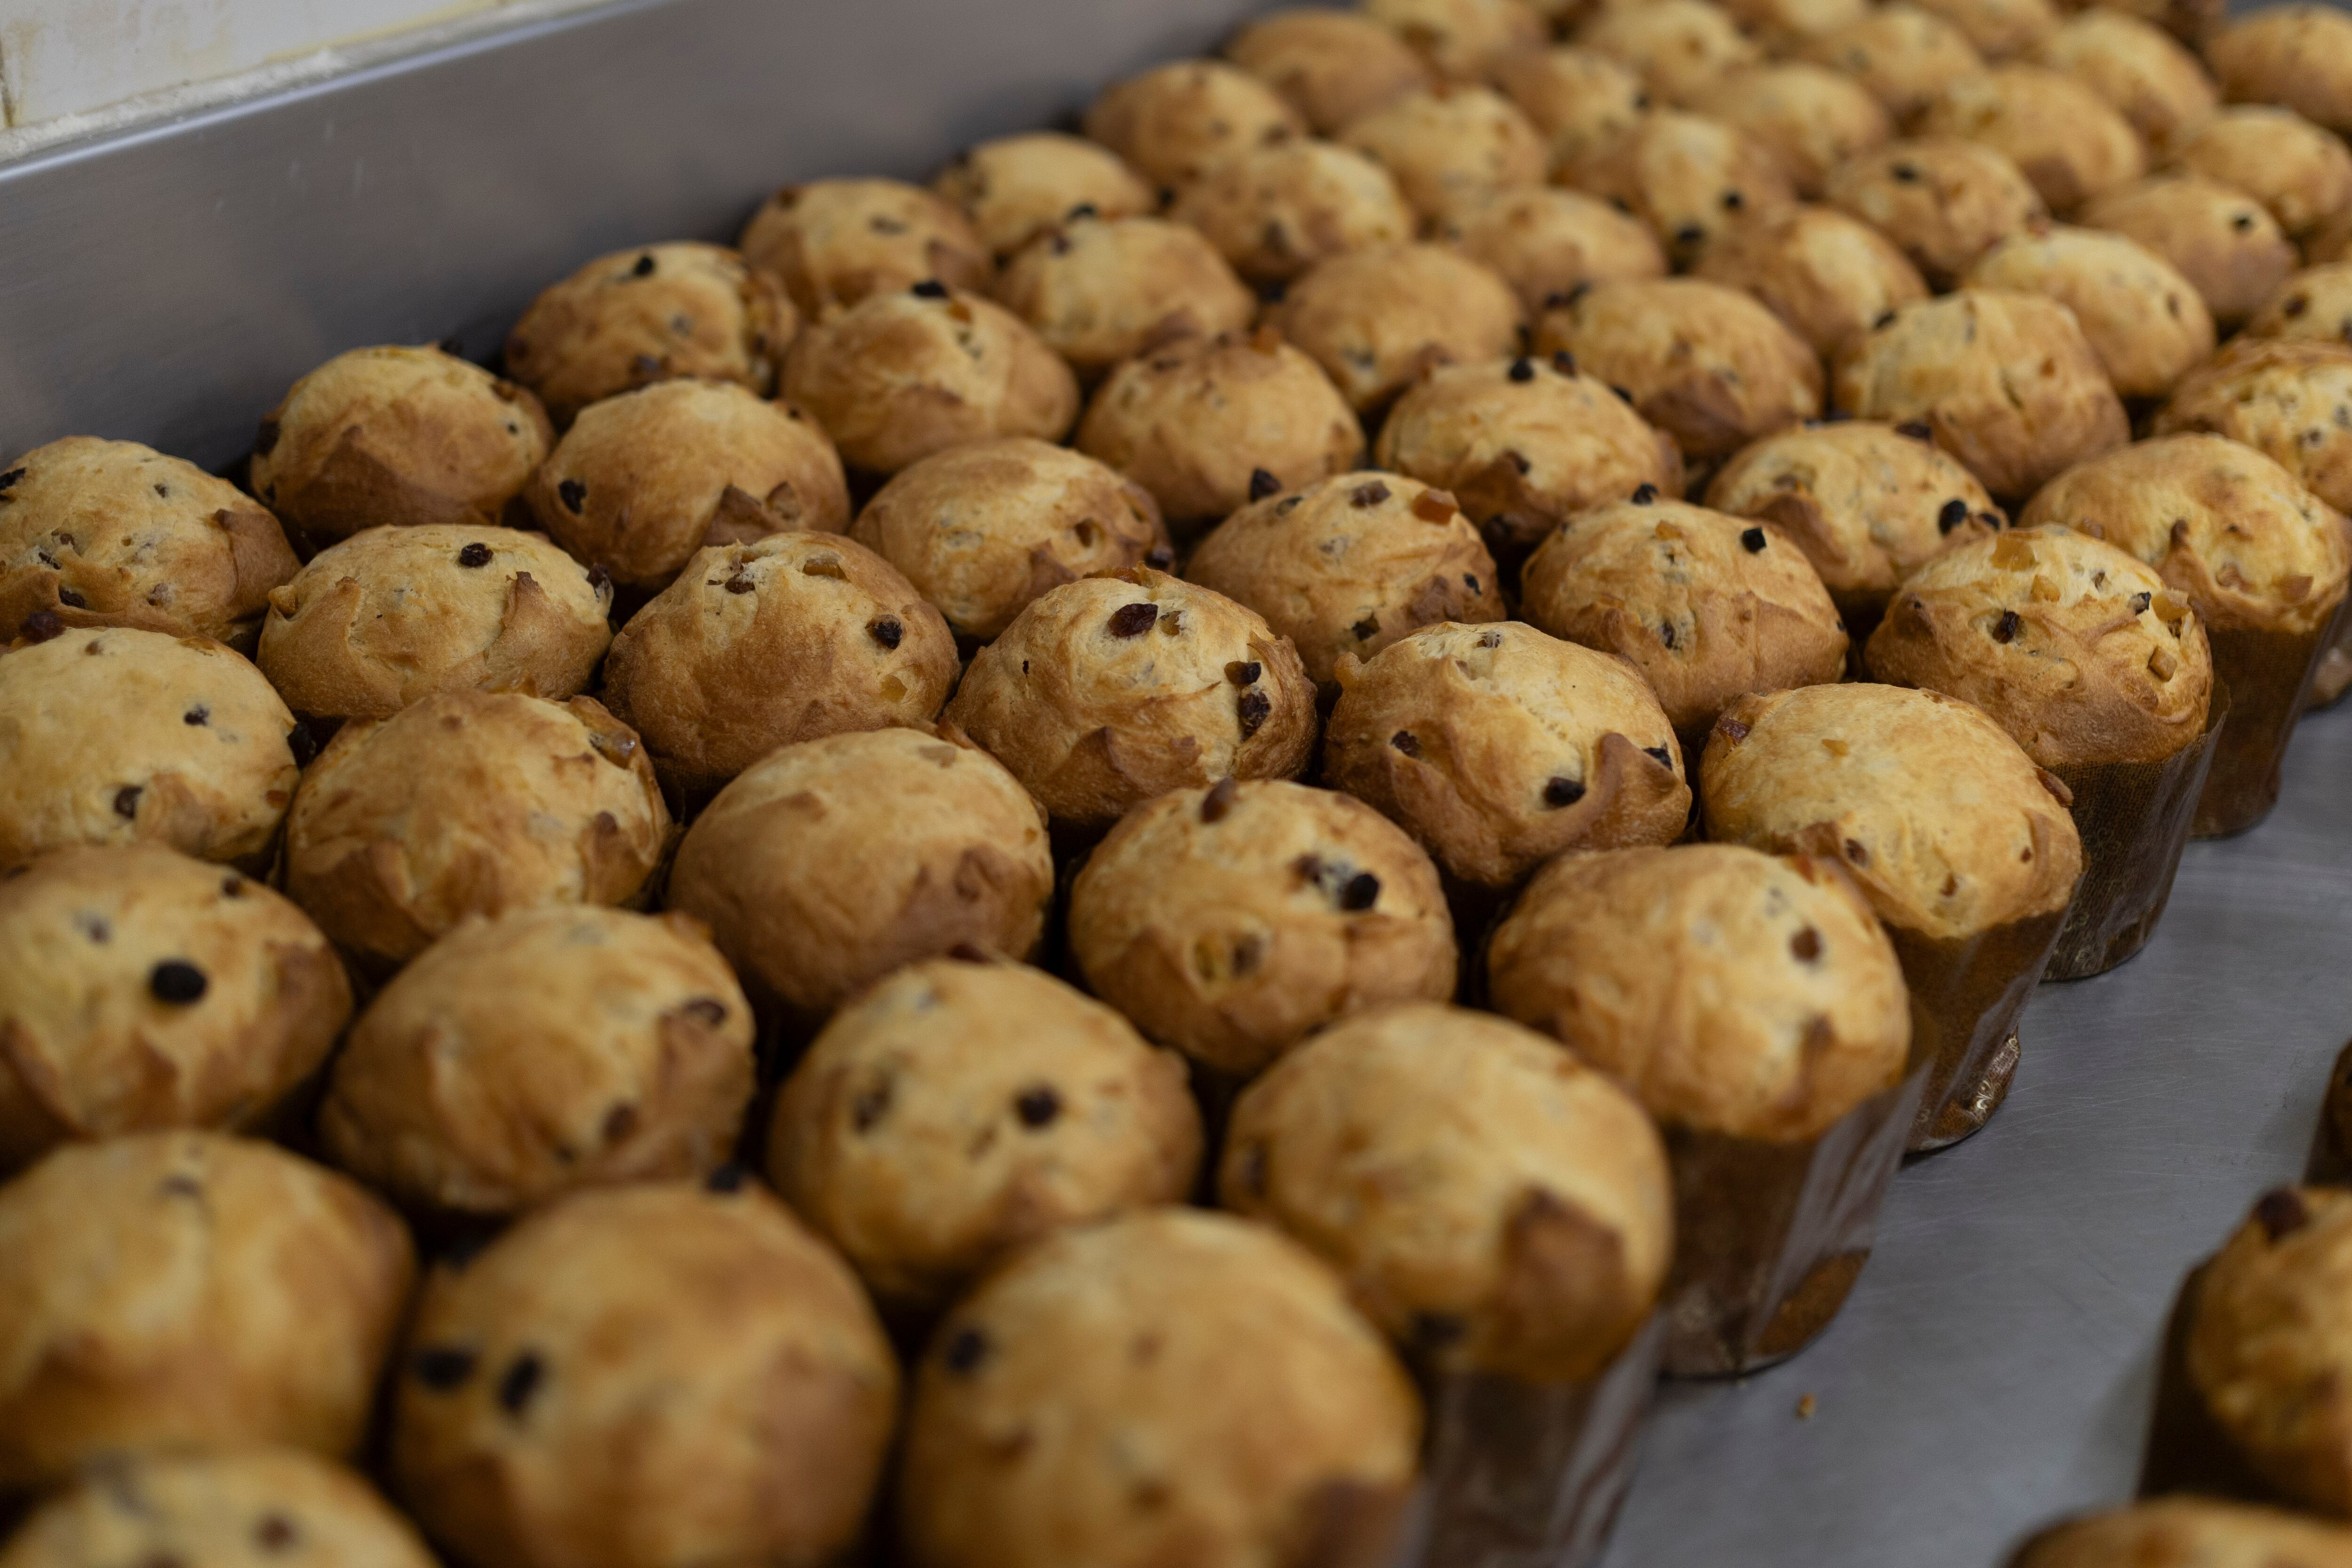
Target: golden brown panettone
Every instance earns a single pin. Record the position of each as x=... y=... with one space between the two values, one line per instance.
x=391 y=614
x=1546 y=242
x=2143 y=72
x=2061 y=136
x=523 y=1056
x=982 y=529
x=1333 y=66
x=1827 y=274
x=469 y=802
x=642 y=482
x=2076 y=647
x=2280 y=397
x=2146 y=323
x=1100 y=291
x=1811 y=117
x=189 y=1290
x=1706 y=607
x=1262 y=1420
x=392 y=436
x=141 y=990
x=643 y=1376
x=1448 y=145
x=1681 y=49
x=116 y=736
x=1944 y=201
x=2298 y=56
x=1461 y=39
x=640 y=316
x=828 y=864
x=1998 y=28
x=1109 y=691
x=1276 y=211
x=1231 y=923
x=1899 y=52
x=1378 y=320
x=964 y=1107
x=1578 y=101
x=1014 y=188
x=112 y=534
x=1177 y=120
x=1500 y=747
x=2006 y=383
x=1707 y=364
x=832 y=242
x=1209 y=425
x=2301 y=173
x=2216 y=235
x=2183 y=1532
x=1692 y=180
x=2314 y=303
x=902 y=374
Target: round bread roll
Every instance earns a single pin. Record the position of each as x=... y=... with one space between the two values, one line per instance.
x=2216 y=235
x=2061 y=135
x=1998 y=28
x=831 y=243
x=1177 y=120
x=117 y=736
x=1014 y=188
x=1944 y=201
x=542 y=1051
x=2299 y=55
x=960 y=1110
x=112 y=534
x=1577 y=99
x=1333 y=66
x=2314 y=303
x=469 y=802
x=2006 y=383
x=1184 y=1385
x=2187 y=1532
x=143 y=990
x=1378 y=320
x=762 y=644
x=1233 y=922
x=902 y=374
x=1692 y=180
x=828 y=864
x=1209 y=425
x=1732 y=993
x=1109 y=691
x=1706 y=607
x=1500 y=747
x=395 y=435
x=1461 y=39
x=391 y=614
x=1900 y=53
x=1707 y=364
x=1866 y=502
x=1681 y=48
x=643 y=480
x=640 y=316
x=2300 y=172
x=2146 y=323
x=1523 y=444
x=1825 y=273
x=1810 y=117
x=1097 y=291
x=2077 y=648
x=1275 y=211
x=1448 y=146
x=1442 y=1160
x=982 y=530
x=1547 y=243
x=642 y=1377
x=2145 y=74
x=189 y=1290
x=2280 y=397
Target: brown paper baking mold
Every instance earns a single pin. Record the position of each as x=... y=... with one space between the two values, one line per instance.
x=1965 y=996
x=2269 y=676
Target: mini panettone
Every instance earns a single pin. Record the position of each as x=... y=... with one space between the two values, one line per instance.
x=643 y=1376
x=2147 y=323
x=542 y=1051
x=1462 y=40
x=469 y=802
x=2300 y=172
x=116 y=736
x=1014 y=188
x=1209 y=425
x=2006 y=383
x=1378 y=320
x=1998 y=28
x=2144 y=72
x=1500 y=747
x=1175 y=121
x=1811 y=118
x=1866 y=502
x=1900 y=53
x=1944 y=201
x=2291 y=400
x=2061 y=136
x=220 y=1510
x=2184 y=1532
x=1692 y=180
x=392 y=614
x=2314 y=303
x=1577 y=99
x=1547 y=242
x=1450 y=1164
x=1681 y=48
x=651 y=314
x=2299 y=55
x=961 y=1109
x=2218 y=237
x=1168 y=1385
x=2077 y=648
x=1707 y=364
x=1449 y=146
x=759 y=645
x=1350 y=564
x=642 y=482
x=189 y=1290
x=396 y=436
x=1827 y=274
x=1333 y=66
x=1523 y=444
x=101 y=533
x=1107 y=691
x=142 y=990
x=829 y=864
x=1706 y=607
x=1783 y=26
x=980 y=530
x=1231 y=923
x=831 y=243
x=914 y=371
x=1277 y=210
x=1100 y=291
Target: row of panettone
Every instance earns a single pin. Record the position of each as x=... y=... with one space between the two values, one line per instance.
x=660 y=1363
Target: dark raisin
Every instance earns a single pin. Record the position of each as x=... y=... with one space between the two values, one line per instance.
x=1159 y=558
x=930 y=288
x=1881 y=321
x=1083 y=210
x=619 y=1122
x=1666 y=634
x=1689 y=235
x=163 y=490
x=1133 y=620
x=1367 y=628
x=1522 y=369
x=2243 y=222
x=571 y=493
x=41 y=625
x=1435 y=1331
x=727 y=1178
x=1263 y=484
x=739 y=581
x=966 y=1348
x=444 y=1367
x=2294 y=307
x=2281 y=1212
x=2005 y=628
x=1219 y=800
x=1369 y=495
x=1908 y=174
x=126 y=801
x=1733 y=201
x=1037 y=1106
x=1856 y=852
x=265 y=441
x=1751 y=540
x=1917 y=429
x=872 y=1104
x=1253 y=708
x=519 y=1383
x=1563 y=361
x=1624 y=396
x=2139 y=604
x=645 y=266
x=1360 y=892
x=1645 y=493
x=303 y=741
x=72 y=600
x=1405 y=740
x=1665 y=758
x=886 y=631
x=1244 y=672
x=274 y=1533
x=196 y=717
x=1559 y=792
x=232 y=887
x=177 y=981
x=1954 y=514
x=1806 y=944
x=478 y=554
x=1248 y=954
